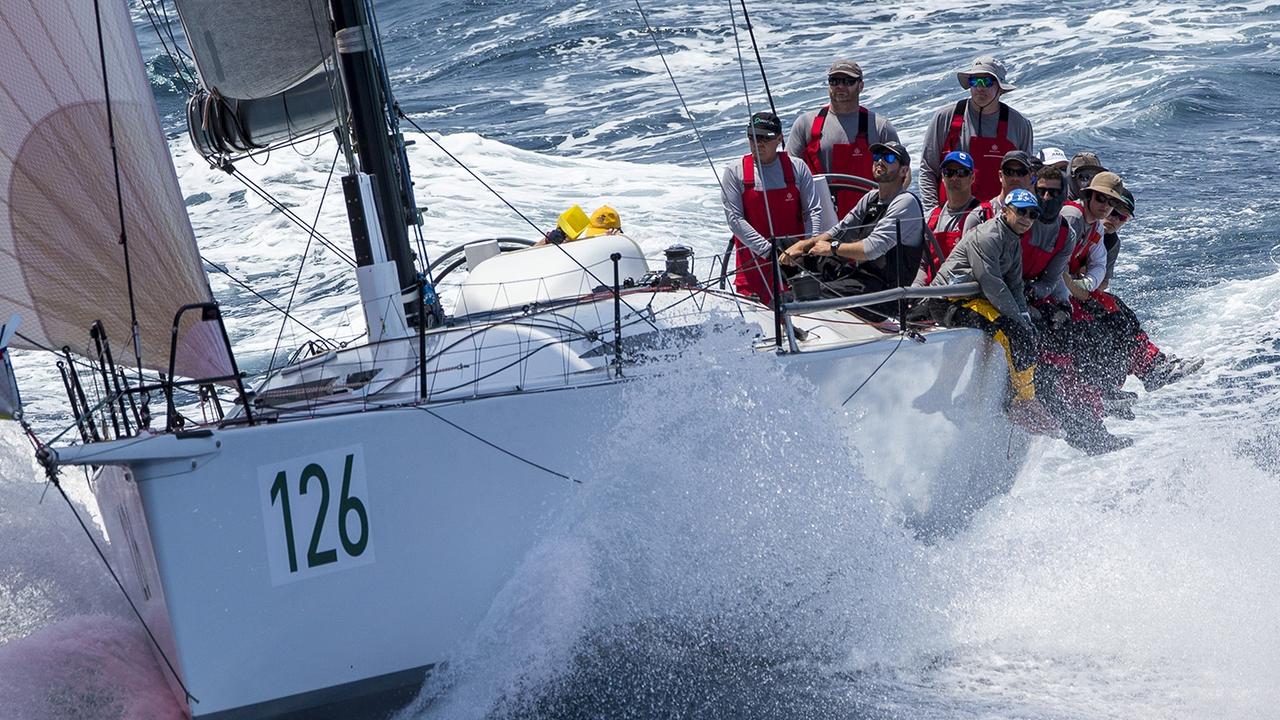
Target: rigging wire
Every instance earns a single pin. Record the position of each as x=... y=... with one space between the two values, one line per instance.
x=584 y=268
x=230 y=169
x=223 y=270
x=499 y=448
x=45 y=457
x=756 y=47
x=115 y=167
x=692 y=121
x=302 y=262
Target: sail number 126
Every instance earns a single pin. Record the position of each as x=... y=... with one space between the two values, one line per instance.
x=316 y=514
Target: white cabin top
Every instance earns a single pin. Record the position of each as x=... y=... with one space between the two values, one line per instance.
x=549 y=272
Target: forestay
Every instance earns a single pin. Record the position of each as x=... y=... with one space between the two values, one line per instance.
x=61 y=262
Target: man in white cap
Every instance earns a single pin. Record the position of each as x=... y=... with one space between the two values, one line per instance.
x=1053 y=157
x=767 y=196
x=980 y=125
x=837 y=137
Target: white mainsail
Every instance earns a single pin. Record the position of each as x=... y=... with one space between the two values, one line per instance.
x=61 y=262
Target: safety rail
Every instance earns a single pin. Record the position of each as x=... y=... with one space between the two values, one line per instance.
x=899 y=294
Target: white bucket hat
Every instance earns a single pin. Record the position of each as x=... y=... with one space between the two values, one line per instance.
x=985 y=65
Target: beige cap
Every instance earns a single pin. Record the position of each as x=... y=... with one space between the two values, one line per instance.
x=985 y=65
x=1109 y=184
x=846 y=67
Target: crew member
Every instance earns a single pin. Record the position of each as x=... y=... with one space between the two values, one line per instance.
x=767 y=196
x=980 y=125
x=878 y=244
x=991 y=255
x=1017 y=170
x=837 y=138
x=1080 y=172
x=947 y=221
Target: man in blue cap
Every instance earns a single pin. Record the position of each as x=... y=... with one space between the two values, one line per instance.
x=947 y=221
x=991 y=255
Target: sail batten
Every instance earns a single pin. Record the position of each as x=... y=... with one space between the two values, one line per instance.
x=63 y=264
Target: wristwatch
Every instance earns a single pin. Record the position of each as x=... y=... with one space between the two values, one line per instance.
x=835 y=248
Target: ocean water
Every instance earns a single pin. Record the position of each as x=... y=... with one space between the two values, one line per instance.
x=1138 y=584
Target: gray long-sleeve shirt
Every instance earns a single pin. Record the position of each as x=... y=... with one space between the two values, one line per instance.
x=991 y=255
x=975 y=123
x=838 y=129
x=768 y=177
x=902 y=212
x=1044 y=235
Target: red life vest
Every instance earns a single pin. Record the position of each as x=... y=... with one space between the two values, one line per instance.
x=947 y=238
x=987 y=152
x=1080 y=256
x=1035 y=260
x=846 y=158
x=786 y=212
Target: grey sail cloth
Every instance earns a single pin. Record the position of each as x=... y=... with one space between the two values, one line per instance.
x=266 y=72
x=61 y=262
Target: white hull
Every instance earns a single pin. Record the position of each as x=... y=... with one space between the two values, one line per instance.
x=449 y=517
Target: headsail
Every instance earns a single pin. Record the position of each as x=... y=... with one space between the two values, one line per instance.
x=61 y=263
x=265 y=71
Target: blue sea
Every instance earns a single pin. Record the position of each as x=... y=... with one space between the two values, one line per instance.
x=1141 y=584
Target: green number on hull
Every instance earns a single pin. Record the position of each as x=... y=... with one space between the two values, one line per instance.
x=315 y=557
x=351 y=504
x=281 y=488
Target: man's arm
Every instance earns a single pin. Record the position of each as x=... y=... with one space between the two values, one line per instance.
x=731 y=196
x=929 y=165
x=998 y=287
x=809 y=205
x=902 y=215
x=1045 y=285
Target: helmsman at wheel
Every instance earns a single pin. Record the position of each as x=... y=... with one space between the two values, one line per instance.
x=837 y=137
x=767 y=195
x=878 y=244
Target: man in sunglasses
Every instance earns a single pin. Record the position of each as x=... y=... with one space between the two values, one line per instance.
x=878 y=244
x=980 y=125
x=991 y=255
x=837 y=137
x=1080 y=172
x=1017 y=170
x=1114 y=344
x=948 y=221
x=767 y=196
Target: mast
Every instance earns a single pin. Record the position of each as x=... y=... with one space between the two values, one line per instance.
x=377 y=148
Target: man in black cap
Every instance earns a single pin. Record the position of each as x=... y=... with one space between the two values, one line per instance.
x=1017 y=170
x=837 y=138
x=878 y=244
x=767 y=196
x=980 y=125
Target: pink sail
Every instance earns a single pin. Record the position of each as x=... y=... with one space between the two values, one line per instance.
x=62 y=265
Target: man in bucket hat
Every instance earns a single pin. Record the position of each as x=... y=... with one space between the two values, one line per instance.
x=1080 y=172
x=767 y=196
x=980 y=125
x=837 y=137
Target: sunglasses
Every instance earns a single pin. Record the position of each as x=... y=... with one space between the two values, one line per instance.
x=1049 y=192
x=890 y=158
x=1084 y=177
x=1014 y=171
x=1118 y=214
x=1028 y=212
x=762 y=137
x=843 y=80
x=981 y=81
x=956 y=172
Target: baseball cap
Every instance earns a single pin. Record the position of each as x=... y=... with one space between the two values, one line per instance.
x=1085 y=160
x=1054 y=157
x=960 y=157
x=1021 y=199
x=845 y=67
x=1018 y=156
x=765 y=125
x=904 y=157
